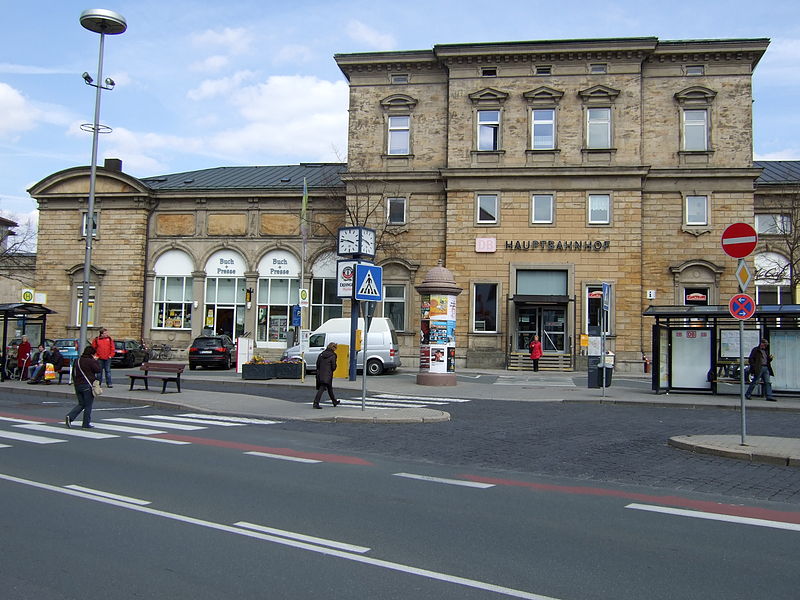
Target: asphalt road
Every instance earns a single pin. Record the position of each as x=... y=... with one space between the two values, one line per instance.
x=507 y=500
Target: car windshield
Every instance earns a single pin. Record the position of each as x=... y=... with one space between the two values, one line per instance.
x=119 y=345
x=65 y=343
x=208 y=343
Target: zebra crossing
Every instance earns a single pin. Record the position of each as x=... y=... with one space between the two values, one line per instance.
x=15 y=428
x=387 y=401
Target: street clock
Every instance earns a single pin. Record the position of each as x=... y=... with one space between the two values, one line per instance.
x=356 y=241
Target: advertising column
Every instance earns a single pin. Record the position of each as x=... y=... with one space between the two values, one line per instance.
x=437 y=351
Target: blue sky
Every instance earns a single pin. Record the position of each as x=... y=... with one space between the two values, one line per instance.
x=207 y=83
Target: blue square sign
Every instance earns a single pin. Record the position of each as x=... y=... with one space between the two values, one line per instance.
x=369 y=283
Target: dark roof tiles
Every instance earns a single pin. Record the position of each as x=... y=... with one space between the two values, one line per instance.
x=286 y=177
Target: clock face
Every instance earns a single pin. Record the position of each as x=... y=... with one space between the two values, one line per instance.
x=348 y=240
x=368 y=242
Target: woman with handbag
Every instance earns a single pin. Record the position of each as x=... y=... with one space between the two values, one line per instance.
x=84 y=373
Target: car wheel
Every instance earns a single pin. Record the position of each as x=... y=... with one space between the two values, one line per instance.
x=192 y=367
x=228 y=363
x=374 y=367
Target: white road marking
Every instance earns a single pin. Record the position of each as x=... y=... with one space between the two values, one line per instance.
x=196 y=421
x=24 y=437
x=128 y=499
x=146 y=406
x=75 y=431
x=246 y=420
x=303 y=538
x=18 y=420
x=4 y=446
x=159 y=424
x=126 y=429
x=461 y=482
x=378 y=404
x=375 y=562
x=284 y=457
x=421 y=398
x=682 y=512
x=162 y=440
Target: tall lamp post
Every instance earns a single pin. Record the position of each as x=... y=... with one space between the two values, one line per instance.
x=105 y=22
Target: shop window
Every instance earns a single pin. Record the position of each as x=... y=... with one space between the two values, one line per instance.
x=172 y=303
x=325 y=304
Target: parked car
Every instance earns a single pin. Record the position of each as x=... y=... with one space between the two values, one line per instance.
x=383 y=355
x=67 y=347
x=212 y=351
x=128 y=353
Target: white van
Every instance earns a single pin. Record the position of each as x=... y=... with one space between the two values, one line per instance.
x=383 y=350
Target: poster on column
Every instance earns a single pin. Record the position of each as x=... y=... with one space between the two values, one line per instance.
x=438 y=359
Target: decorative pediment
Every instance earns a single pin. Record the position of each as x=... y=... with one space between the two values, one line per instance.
x=399 y=102
x=696 y=95
x=488 y=96
x=543 y=96
x=598 y=94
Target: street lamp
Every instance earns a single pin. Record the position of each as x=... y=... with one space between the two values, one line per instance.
x=105 y=22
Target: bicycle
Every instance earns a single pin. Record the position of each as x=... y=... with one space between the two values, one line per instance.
x=161 y=352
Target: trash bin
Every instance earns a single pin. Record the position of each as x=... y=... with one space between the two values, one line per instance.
x=593 y=372
x=600 y=380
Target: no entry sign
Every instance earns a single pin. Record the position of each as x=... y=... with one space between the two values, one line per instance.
x=739 y=240
x=742 y=306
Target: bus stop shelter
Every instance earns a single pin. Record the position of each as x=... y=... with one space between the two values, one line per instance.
x=30 y=317
x=696 y=348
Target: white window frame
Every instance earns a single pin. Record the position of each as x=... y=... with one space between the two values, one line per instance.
x=590 y=208
x=597 y=125
x=163 y=303
x=597 y=287
x=401 y=300
x=474 y=322
x=691 y=204
x=393 y=201
x=691 y=127
x=79 y=305
x=479 y=198
x=491 y=126
x=773 y=224
x=399 y=131
x=547 y=201
x=551 y=121
x=85 y=222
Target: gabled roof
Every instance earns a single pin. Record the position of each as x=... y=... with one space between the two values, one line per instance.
x=778 y=171
x=282 y=177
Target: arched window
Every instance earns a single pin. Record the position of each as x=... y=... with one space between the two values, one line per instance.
x=278 y=290
x=225 y=290
x=772 y=279
x=172 y=291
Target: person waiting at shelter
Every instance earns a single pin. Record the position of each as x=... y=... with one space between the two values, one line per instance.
x=760 y=361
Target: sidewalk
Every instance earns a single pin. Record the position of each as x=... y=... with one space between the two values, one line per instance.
x=252 y=398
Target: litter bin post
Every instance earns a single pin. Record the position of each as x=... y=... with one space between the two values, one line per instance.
x=605 y=369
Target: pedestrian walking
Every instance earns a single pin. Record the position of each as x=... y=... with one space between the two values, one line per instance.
x=104 y=349
x=84 y=373
x=326 y=365
x=760 y=362
x=535 y=346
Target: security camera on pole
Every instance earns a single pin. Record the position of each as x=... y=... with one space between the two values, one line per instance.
x=738 y=241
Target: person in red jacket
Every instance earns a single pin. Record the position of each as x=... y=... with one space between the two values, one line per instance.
x=24 y=357
x=104 y=349
x=535 y=347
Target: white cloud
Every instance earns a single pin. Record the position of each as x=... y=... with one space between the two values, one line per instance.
x=779 y=64
x=16 y=113
x=13 y=69
x=293 y=53
x=232 y=40
x=218 y=87
x=370 y=37
x=211 y=64
x=785 y=154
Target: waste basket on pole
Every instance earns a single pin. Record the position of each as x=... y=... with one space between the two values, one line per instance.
x=604 y=370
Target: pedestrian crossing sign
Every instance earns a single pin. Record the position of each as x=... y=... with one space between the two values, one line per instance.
x=369 y=283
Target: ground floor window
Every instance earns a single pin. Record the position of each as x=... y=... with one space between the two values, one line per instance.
x=394 y=305
x=593 y=308
x=325 y=304
x=79 y=305
x=275 y=298
x=484 y=307
x=172 y=303
x=225 y=305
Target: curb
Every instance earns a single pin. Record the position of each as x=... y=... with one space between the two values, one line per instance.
x=726 y=447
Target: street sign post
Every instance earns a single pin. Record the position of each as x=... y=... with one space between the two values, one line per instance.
x=368 y=288
x=739 y=240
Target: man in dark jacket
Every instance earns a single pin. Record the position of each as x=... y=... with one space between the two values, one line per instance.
x=52 y=356
x=326 y=365
x=760 y=361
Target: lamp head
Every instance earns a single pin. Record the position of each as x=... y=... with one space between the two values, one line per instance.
x=87 y=78
x=110 y=82
x=103 y=21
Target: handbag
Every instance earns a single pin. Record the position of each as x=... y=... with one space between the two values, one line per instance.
x=96 y=389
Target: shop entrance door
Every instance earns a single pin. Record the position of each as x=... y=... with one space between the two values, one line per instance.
x=224 y=322
x=527 y=326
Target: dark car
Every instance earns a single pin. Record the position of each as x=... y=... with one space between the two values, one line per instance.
x=128 y=353
x=212 y=351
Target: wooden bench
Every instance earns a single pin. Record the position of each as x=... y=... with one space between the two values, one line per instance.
x=164 y=372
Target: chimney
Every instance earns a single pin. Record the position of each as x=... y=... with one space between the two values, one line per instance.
x=113 y=164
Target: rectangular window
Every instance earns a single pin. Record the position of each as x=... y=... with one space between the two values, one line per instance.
x=79 y=304
x=697 y=210
x=543 y=132
x=484 y=315
x=396 y=211
x=695 y=130
x=542 y=208
x=598 y=128
x=773 y=224
x=394 y=305
x=598 y=68
x=544 y=70
x=325 y=304
x=488 y=130
x=172 y=303
x=489 y=72
x=695 y=70
x=399 y=78
x=594 y=311
x=487 y=208
x=85 y=223
x=599 y=209
x=399 y=134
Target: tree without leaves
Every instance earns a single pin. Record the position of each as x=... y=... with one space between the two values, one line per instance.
x=782 y=238
x=17 y=250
